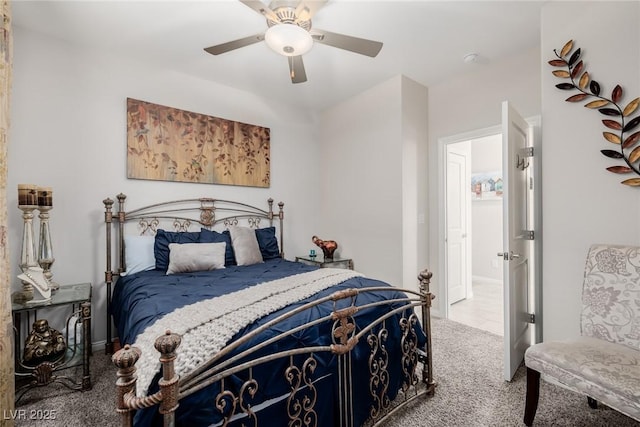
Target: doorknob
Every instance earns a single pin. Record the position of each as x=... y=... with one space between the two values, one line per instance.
x=508 y=255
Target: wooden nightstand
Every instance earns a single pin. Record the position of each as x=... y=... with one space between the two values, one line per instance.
x=335 y=263
x=76 y=333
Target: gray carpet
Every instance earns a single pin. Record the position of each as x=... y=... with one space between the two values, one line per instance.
x=470 y=392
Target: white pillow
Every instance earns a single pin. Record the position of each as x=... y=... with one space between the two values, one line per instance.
x=188 y=257
x=245 y=246
x=138 y=254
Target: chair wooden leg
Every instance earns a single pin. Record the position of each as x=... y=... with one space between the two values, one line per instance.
x=533 y=392
x=593 y=404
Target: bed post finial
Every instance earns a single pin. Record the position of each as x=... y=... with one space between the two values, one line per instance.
x=427 y=373
x=167 y=344
x=108 y=204
x=425 y=280
x=121 y=198
x=125 y=360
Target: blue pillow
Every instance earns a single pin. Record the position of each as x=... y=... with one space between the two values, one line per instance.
x=268 y=242
x=208 y=236
x=161 y=244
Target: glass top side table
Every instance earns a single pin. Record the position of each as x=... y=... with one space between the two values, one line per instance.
x=334 y=263
x=69 y=333
x=67 y=294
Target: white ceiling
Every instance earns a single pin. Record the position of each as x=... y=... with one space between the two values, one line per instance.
x=424 y=40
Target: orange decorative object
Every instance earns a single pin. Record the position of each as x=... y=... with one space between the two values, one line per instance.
x=328 y=247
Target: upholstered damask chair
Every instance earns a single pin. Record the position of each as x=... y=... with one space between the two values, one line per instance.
x=604 y=362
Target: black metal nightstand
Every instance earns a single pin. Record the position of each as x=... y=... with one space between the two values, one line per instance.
x=76 y=333
x=335 y=263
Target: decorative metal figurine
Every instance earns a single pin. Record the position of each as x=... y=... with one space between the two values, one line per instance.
x=43 y=344
x=328 y=247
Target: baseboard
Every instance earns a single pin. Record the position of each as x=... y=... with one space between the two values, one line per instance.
x=486 y=279
x=98 y=346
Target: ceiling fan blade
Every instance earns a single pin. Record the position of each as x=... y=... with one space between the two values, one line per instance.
x=354 y=44
x=296 y=69
x=261 y=8
x=307 y=8
x=235 y=44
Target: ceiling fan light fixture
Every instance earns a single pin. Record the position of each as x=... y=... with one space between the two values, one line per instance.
x=288 y=39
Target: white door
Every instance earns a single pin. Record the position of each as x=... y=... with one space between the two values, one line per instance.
x=518 y=248
x=457 y=192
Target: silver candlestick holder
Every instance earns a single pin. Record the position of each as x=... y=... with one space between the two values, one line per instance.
x=45 y=248
x=27 y=203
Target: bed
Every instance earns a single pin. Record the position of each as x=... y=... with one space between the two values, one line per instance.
x=219 y=329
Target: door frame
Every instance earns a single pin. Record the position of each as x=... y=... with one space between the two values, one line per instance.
x=442 y=199
x=536 y=125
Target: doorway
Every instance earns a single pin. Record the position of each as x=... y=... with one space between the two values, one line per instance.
x=521 y=231
x=474 y=211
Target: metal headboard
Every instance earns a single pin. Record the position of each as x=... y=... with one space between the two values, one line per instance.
x=178 y=215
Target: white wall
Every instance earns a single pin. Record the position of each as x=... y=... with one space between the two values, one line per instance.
x=582 y=202
x=361 y=202
x=68 y=131
x=486 y=215
x=414 y=180
x=371 y=201
x=466 y=103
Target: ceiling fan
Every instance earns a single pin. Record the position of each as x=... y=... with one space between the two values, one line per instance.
x=290 y=34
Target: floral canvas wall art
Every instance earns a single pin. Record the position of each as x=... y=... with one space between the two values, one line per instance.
x=169 y=144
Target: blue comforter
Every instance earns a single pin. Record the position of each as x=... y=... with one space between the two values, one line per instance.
x=142 y=298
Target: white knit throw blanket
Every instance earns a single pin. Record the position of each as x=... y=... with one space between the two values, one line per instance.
x=207 y=326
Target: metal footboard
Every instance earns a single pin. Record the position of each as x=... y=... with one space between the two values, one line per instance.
x=300 y=365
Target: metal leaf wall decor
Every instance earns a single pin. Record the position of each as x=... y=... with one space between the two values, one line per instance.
x=618 y=119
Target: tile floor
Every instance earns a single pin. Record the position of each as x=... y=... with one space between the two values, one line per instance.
x=484 y=310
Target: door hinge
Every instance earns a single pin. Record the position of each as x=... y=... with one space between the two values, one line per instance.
x=527 y=152
x=531 y=317
x=528 y=234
